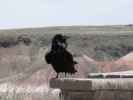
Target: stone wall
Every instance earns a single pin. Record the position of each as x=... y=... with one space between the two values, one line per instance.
x=94 y=89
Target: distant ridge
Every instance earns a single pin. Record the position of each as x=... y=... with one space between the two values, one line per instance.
x=70 y=26
x=116 y=29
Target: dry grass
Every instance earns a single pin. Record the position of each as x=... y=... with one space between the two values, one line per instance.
x=19 y=63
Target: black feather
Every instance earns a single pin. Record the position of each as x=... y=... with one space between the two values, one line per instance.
x=60 y=59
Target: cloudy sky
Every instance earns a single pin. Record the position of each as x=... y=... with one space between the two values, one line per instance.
x=35 y=13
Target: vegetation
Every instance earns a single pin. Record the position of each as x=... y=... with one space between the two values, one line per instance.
x=22 y=51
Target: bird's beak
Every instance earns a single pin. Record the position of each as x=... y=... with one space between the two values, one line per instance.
x=66 y=37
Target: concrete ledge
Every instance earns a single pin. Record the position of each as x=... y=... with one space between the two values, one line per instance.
x=92 y=84
x=113 y=84
x=71 y=84
x=94 y=89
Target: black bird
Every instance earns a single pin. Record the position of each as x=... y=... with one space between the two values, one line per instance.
x=60 y=59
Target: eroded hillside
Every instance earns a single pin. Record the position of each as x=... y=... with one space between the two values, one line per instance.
x=95 y=48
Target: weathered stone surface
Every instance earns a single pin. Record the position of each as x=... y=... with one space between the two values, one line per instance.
x=71 y=84
x=80 y=95
x=92 y=84
x=112 y=84
x=96 y=76
x=126 y=76
x=94 y=89
x=104 y=95
x=112 y=95
x=113 y=76
x=123 y=74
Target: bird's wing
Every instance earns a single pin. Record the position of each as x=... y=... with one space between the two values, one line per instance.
x=48 y=57
x=70 y=58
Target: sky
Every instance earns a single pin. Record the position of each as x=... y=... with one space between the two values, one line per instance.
x=41 y=13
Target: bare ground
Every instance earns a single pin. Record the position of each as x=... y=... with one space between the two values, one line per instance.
x=97 y=49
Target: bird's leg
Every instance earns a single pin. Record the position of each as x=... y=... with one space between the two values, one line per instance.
x=57 y=75
x=72 y=75
x=65 y=74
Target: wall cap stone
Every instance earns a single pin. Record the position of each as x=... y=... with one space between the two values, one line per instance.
x=85 y=84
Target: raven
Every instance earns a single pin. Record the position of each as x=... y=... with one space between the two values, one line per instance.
x=60 y=59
